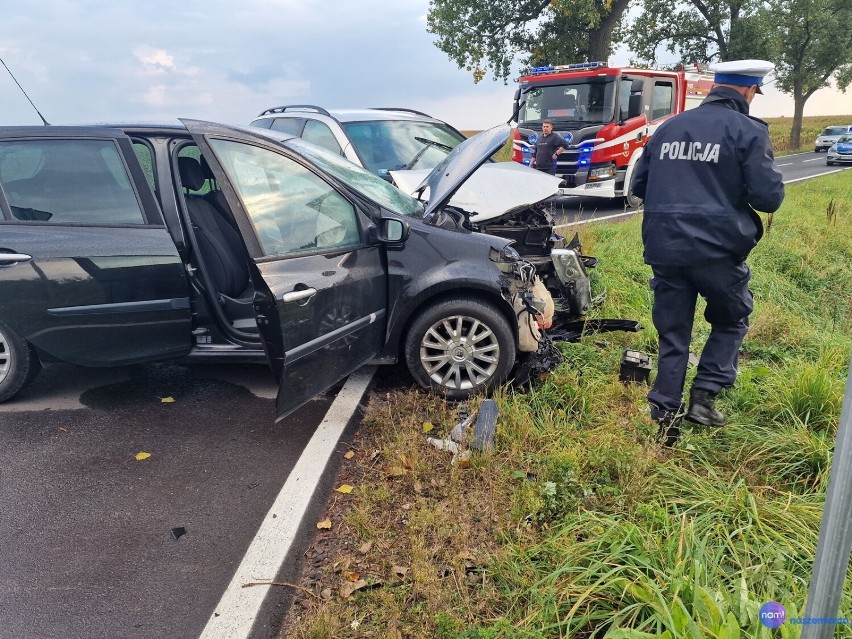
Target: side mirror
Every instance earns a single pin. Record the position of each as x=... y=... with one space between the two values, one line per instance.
x=393 y=231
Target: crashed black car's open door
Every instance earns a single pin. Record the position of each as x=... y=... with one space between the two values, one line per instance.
x=320 y=290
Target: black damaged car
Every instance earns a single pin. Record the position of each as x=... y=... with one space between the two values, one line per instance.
x=134 y=243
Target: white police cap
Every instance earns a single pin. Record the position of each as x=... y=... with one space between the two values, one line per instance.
x=742 y=73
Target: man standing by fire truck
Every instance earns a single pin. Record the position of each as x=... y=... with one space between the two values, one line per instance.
x=702 y=176
x=547 y=148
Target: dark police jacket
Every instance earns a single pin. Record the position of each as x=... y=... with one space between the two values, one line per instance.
x=702 y=175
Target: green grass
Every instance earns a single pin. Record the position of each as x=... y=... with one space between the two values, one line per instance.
x=580 y=524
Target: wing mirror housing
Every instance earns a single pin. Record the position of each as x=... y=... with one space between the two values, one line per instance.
x=390 y=230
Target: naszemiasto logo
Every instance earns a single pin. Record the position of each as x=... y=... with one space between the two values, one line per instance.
x=772 y=614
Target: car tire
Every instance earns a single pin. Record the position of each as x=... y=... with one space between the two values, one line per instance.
x=630 y=200
x=18 y=363
x=440 y=351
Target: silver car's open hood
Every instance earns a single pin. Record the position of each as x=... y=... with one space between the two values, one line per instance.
x=485 y=191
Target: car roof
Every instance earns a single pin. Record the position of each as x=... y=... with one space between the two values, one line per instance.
x=352 y=115
x=144 y=128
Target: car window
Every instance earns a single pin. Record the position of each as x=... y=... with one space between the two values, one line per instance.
x=662 y=99
x=293 y=126
x=146 y=159
x=835 y=130
x=368 y=184
x=292 y=209
x=390 y=145
x=319 y=134
x=68 y=181
x=845 y=138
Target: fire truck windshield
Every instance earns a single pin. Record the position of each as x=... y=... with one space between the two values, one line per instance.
x=584 y=100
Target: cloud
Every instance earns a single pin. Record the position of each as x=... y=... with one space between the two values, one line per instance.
x=154 y=60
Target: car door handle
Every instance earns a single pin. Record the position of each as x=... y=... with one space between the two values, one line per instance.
x=14 y=257
x=298 y=296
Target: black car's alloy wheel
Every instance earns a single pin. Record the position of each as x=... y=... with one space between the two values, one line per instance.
x=18 y=363
x=460 y=347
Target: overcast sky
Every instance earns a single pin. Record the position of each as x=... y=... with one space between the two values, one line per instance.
x=99 y=61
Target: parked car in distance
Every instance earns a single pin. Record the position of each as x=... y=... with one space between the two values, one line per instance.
x=201 y=241
x=829 y=136
x=381 y=139
x=840 y=152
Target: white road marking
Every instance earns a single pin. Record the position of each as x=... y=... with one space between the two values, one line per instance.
x=809 y=177
x=595 y=219
x=788 y=164
x=813 y=160
x=237 y=610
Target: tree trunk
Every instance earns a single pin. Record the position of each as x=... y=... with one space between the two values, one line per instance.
x=600 y=39
x=798 y=111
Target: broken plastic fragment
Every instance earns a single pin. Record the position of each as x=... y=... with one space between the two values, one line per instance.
x=486 y=425
x=178 y=532
x=444 y=444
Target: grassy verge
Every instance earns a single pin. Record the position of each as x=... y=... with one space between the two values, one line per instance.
x=579 y=524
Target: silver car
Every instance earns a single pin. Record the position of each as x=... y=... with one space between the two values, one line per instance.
x=829 y=136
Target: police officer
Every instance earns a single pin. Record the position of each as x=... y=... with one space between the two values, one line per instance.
x=547 y=148
x=702 y=176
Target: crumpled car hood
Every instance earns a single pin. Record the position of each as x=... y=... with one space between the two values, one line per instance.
x=491 y=191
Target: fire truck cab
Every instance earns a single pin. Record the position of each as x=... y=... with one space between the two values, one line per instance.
x=605 y=115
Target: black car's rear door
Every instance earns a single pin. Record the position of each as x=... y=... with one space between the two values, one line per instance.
x=88 y=272
x=321 y=291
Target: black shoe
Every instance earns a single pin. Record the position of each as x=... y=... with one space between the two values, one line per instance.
x=702 y=409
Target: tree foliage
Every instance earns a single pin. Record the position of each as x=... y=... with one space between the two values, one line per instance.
x=813 y=41
x=485 y=36
x=701 y=30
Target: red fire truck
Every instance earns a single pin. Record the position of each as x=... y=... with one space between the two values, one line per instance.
x=605 y=115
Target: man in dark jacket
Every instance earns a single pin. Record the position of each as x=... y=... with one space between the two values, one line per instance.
x=547 y=148
x=702 y=175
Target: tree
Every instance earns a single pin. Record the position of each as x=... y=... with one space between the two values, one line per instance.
x=487 y=35
x=701 y=30
x=814 y=44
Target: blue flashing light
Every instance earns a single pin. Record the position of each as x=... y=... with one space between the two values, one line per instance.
x=576 y=66
x=526 y=160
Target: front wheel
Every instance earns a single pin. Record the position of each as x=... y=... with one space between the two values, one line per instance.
x=460 y=347
x=828 y=163
x=630 y=200
x=18 y=363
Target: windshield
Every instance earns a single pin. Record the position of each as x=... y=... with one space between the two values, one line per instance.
x=835 y=130
x=394 y=145
x=368 y=184
x=845 y=138
x=583 y=100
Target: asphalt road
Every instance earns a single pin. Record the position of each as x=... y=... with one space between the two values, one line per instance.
x=90 y=543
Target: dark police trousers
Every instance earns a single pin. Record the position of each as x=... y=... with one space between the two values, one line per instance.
x=729 y=302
